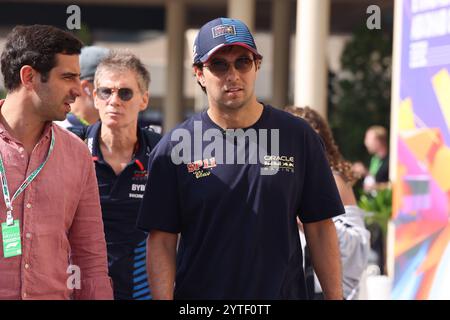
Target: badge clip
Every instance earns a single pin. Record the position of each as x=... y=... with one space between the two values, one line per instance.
x=9 y=218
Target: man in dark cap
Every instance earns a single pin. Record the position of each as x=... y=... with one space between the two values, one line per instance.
x=237 y=214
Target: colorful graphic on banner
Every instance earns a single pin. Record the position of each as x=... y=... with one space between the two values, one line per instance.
x=422 y=187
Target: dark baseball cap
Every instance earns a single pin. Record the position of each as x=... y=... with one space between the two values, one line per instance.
x=90 y=57
x=219 y=33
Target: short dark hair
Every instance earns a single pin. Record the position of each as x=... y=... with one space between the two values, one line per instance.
x=36 y=46
x=199 y=65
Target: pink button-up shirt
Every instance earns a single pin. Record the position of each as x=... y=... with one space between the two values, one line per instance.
x=60 y=222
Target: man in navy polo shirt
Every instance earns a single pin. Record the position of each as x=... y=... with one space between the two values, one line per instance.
x=120 y=150
x=232 y=180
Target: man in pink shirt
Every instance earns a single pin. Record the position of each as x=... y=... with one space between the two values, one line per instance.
x=52 y=238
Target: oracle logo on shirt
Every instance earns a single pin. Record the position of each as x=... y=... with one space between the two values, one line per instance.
x=276 y=162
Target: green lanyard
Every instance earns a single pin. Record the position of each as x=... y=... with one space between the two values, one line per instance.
x=83 y=122
x=375 y=165
x=23 y=186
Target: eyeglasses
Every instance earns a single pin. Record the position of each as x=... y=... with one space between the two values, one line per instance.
x=221 y=66
x=125 y=94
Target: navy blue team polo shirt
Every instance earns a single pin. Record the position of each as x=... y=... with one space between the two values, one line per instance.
x=120 y=198
x=239 y=236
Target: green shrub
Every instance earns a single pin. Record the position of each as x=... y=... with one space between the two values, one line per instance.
x=378 y=207
x=361 y=91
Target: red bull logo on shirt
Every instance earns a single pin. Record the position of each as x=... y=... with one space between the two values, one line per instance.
x=140 y=174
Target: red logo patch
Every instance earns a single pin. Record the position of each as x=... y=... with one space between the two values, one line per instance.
x=201 y=164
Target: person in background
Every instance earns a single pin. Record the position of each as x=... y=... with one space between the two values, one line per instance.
x=50 y=210
x=83 y=113
x=354 y=238
x=120 y=151
x=377 y=176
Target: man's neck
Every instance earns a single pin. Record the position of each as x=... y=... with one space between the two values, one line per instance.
x=118 y=140
x=234 y=119
x=118 y=146
x=19 y=120
x=382 y=153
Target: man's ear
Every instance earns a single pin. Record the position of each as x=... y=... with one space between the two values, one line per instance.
x=258 y=64
x=199 y=75
x=145 y=99
x=86 y=88
x=94 y=96
x=27 y=76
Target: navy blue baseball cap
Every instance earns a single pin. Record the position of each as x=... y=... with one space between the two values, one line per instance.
x=219 y=33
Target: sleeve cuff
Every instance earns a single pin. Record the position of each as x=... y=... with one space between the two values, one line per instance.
x=95 y=289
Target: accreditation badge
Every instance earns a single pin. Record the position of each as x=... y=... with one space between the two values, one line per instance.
x=11 y=239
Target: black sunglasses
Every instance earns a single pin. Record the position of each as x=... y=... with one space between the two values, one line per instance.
x=125 y=94
x=221 y=66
